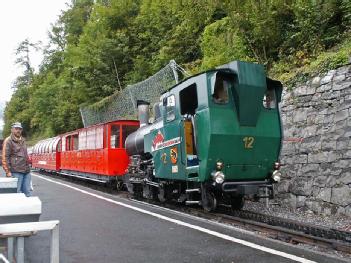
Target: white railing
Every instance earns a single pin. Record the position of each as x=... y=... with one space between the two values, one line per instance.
x=3 y=259
x=15 y=234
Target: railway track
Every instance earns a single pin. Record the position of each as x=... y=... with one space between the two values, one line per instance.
x=288 y=230
x=278 y=228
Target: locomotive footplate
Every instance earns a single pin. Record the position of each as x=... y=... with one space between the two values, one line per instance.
x=246 y=188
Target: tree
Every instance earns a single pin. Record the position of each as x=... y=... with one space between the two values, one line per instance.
x=23 y=59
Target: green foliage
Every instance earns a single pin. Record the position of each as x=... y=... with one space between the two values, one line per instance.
x=221 y=43
x=98 y=47
x=327 y=60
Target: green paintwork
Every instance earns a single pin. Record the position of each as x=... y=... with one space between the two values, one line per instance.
x=221 y=128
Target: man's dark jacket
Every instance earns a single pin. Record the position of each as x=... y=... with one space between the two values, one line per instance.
x=14 y=155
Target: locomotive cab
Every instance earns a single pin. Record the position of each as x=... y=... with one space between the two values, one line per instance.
x=217 y=138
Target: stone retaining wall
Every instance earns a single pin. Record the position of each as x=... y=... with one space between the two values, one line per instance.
x=316 y=154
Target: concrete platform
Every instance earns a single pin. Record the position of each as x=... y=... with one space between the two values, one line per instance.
x=98 y=227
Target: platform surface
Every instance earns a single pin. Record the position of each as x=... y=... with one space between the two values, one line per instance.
x=98 y=227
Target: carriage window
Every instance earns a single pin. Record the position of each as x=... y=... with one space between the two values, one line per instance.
x=188 y=100
x=82 y=140
x=68 y=143
x=114 y=140
x=63 y=142
x=126 y=130
x=269 y=99
x=75 y=142
x=221 y=87
x=59 y=146
x=99 y=139
x=50 y=146
x=169 y=102
x=91 y=138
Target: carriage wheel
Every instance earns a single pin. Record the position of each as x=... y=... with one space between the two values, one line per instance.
x=119 y=185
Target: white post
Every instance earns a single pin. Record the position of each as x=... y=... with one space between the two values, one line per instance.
x=10 y=248
x=20 y=250
x=55 y=245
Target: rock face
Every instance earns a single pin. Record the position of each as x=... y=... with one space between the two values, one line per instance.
x=316 y=153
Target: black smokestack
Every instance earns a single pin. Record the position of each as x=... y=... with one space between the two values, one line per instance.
x=143 y=112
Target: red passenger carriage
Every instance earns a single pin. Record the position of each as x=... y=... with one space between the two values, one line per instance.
x=46 y=154
x=95 y=152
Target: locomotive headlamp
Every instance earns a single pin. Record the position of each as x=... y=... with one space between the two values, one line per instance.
x=219 y=165
x=276 y=176
x=218 y=177
x=277 y=165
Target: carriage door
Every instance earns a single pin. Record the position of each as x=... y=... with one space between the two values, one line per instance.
x=188 y=105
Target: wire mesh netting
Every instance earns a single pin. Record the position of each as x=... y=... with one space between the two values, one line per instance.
x=122 y=104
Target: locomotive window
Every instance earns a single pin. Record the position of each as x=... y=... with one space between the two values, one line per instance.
x=221 y=86
x=269 y=99
x=126 y=130
x=170 y=107
x=114 y=140
x=188 y=100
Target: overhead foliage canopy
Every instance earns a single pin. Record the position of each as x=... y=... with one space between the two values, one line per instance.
x=98 y=47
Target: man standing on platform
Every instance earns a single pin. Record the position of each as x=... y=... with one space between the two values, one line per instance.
x=15 y=160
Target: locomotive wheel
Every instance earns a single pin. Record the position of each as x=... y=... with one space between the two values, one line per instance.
x=149 y=192
x=136 y=190
x=163 y=194
x=237 y=203
x=208 y=200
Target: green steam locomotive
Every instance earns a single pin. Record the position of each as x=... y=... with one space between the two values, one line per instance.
x=215 y=138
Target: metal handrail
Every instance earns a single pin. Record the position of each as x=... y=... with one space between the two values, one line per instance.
x=18 y=231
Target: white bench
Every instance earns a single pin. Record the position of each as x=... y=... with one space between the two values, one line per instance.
x=16 y=208
x=17 y=232
x=12 y=195
x=8 y=185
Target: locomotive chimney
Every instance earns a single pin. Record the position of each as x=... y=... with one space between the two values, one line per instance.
x=143 y=112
